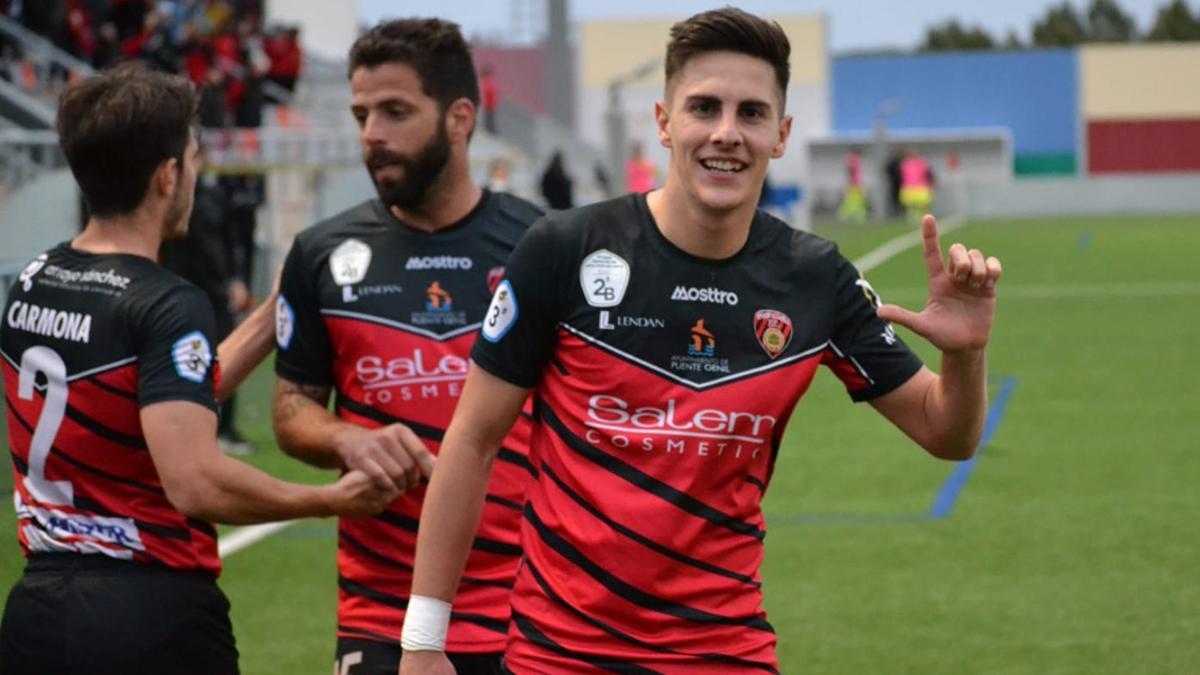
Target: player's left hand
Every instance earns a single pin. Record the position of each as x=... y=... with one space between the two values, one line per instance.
x=962 y=296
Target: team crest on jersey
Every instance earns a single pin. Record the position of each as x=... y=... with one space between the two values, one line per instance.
x=774 y=331
x=501 y=314
x=494 y=276
x=349 y=262
x=31 y=270
x=604 y=276
x=192 y=356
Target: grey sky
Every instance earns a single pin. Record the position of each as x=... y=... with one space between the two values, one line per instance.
x=853 y=24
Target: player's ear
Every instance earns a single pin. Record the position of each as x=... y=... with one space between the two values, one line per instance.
x=166 y=177
x=785 y=130
x=662 y=118
x=460 y=119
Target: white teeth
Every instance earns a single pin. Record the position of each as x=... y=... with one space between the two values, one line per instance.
x=724 y=166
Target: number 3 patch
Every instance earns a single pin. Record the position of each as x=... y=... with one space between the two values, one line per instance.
x=501 y=314
x=604 y=276
x=192 y=356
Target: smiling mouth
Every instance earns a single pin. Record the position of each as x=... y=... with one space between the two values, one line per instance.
x=725 y=166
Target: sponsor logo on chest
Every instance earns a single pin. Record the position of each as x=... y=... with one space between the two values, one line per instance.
x=701 y=354
x=715 y=433
x=416 y=376
x=439 y=262
x=710 y=294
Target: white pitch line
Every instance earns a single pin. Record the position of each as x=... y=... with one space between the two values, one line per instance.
x=1067 y=291
x=894 y=247
x=246 y=536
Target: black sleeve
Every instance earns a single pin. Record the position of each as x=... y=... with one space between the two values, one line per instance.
x=520 y=328
x=176 y=349
x=303 y=351
x=867 y=355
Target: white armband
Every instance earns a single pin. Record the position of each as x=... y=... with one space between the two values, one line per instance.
x=425 y=623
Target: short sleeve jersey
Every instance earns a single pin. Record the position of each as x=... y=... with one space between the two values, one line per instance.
x=663 y=385
x=385 y=315
x=88 y=340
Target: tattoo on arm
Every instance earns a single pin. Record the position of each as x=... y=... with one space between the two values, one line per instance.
x=293 y=398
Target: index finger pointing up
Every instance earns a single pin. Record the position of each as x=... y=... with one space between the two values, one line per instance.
x=934 y=263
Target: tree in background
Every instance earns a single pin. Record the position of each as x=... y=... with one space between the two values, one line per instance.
x=1061 y=27
x=1108 y=23
x=1175 y=22
x=952 y=35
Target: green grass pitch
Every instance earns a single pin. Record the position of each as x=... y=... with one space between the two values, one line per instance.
x=1073 y=547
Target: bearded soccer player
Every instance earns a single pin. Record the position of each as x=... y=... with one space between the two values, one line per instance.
x=111 y=383
x=382 y=304
x=668 y=337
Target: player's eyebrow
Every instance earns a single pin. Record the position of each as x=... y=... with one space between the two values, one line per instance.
x=702 y=98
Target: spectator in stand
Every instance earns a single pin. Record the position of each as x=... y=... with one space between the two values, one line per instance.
x=80 y=36
x=490 y=94
x=640 y=173
x=557 y=185
x=283 y=52
x=108 y=48
x=128 y=16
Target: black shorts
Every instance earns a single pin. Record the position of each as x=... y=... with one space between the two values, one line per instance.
x=368 y=657
x=72 y=613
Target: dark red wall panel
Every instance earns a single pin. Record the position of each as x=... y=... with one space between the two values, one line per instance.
x=1125 y=146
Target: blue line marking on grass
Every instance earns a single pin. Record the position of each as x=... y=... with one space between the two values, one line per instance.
x=947 y=496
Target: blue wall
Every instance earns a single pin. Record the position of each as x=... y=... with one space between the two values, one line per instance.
x=1033 y=93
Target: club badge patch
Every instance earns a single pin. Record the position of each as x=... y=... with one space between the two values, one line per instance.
x=774 y=331
x=349 y=262
x=285 y=323
x=192 y=356
x=502 y=313
x=604 y=276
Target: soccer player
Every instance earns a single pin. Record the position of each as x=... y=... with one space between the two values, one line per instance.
x=381 y=304
x=668 y=337
x=111 y=382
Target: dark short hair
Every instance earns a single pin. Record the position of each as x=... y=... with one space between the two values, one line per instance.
x=115 y=129
x=729 y=30
x=434 y=48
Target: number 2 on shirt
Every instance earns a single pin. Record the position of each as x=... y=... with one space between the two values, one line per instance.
x=44 y=360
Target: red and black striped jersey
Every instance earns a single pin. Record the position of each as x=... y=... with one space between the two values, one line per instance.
x=88 y=340
x=663 y=384
x=386 y=315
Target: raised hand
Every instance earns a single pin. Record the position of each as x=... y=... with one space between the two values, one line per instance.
x=962 y=296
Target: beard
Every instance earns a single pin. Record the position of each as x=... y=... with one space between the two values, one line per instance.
x=419 y=171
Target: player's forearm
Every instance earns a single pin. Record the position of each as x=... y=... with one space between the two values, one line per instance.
x=450 y=517
x=235 y=493
x=956 y=406
x=305 y=428
x=246 y=347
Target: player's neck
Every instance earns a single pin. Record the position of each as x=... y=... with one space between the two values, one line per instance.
x=448 y=201
x=135 y=234
x=702 y=232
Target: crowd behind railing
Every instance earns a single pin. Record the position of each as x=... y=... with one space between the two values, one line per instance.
x=220 y=45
